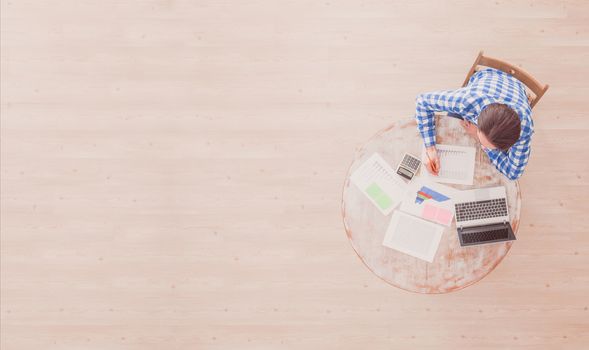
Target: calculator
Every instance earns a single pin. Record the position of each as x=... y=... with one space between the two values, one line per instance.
x=408 y=166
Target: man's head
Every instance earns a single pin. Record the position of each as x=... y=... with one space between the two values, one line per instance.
x=499 y=127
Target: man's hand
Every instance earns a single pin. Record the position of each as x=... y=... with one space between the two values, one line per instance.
x=470 y=128
x=433 y=162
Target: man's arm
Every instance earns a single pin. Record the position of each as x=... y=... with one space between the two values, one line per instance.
x=438 y=101
x=511 y=163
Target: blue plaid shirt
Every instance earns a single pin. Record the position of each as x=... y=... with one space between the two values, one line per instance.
x=484 y=87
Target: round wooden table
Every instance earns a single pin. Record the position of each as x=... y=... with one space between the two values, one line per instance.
x=454 y=267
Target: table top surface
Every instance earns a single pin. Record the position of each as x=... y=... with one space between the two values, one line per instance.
x=454 y=267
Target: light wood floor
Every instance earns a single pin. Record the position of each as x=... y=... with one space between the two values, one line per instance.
x=172 y=173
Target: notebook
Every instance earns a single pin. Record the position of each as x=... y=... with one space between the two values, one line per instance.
x=379 y=183
x=413 y=236
x=456 y=164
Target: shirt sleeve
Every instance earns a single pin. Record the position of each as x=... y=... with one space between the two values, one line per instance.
x=438 y=101
x=513 y=162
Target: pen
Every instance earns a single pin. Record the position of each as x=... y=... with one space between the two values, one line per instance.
x=431 y=163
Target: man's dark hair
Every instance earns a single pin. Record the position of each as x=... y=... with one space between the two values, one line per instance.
x=500 y=124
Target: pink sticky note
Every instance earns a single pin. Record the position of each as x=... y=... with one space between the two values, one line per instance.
x=429 y=212
x=444 y=216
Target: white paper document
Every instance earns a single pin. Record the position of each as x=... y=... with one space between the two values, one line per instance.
x=430 y=201
x=456 y=164
x=413 y=236
x=380 y=183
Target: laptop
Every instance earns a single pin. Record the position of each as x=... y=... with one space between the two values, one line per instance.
x=482 y=216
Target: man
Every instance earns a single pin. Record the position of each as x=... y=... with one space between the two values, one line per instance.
x=495 y=111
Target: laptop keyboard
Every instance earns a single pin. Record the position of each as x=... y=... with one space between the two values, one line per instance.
x=491 y=208
x=485 y=236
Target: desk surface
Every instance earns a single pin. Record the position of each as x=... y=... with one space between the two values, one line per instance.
x=454 y=267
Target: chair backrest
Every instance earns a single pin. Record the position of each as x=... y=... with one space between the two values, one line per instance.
x=536 y=88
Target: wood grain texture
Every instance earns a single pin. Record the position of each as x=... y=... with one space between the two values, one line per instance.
x=172 y=171
x=454 y=267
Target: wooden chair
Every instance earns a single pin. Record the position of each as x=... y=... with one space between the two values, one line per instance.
x=534 y=89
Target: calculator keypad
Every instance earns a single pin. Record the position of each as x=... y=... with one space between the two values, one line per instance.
x=410 y=162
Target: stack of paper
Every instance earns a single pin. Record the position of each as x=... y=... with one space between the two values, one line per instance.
x=456 y=164
x=379 y=182
x=414 y=236
x=430 y=201
x=414 y=230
